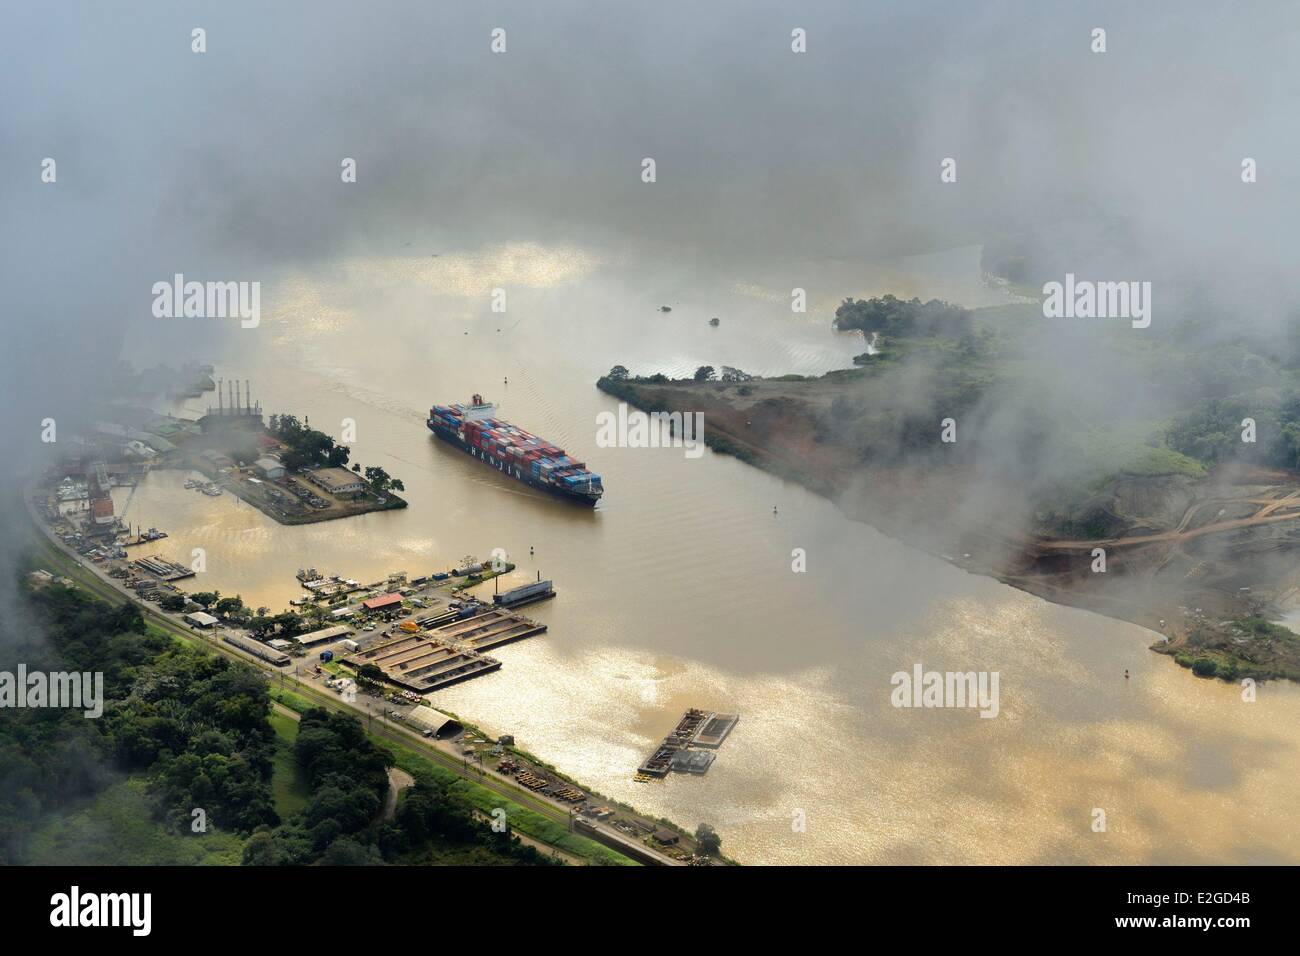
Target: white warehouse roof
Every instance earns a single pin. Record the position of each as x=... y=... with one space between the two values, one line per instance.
x=325 y=634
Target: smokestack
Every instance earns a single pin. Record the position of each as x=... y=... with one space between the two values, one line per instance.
x=221 y=408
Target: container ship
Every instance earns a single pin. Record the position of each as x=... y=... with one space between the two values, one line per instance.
x=474 y=428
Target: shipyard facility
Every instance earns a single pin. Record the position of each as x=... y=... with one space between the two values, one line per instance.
x=386 y=647
x=513 y=451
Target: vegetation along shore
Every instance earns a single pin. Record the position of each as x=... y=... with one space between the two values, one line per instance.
x=1174 y=506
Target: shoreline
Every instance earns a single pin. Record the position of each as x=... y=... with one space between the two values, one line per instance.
x=1200 y=624
x=336 y=511
x=85 y=574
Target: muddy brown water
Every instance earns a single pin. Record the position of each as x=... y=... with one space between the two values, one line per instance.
x=678 y=589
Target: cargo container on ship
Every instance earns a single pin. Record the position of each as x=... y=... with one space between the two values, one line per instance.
x=516 y=453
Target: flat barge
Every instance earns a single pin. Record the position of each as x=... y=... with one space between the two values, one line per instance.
x=697 y=728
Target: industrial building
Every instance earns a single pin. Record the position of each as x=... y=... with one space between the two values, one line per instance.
x=101 y=511
x=215 y=460
x=233 y=411
x=382 y=602
x=323 y=635
x=202 y=619
x=257 y=649
x=337 y=481
x=127 y=437
x=428 y=719
x=666 y=837
x=99 y=487
x=269 y=468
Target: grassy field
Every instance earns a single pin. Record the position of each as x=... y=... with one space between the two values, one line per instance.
x=299 y=705
x=290 y=790
x=118 y=828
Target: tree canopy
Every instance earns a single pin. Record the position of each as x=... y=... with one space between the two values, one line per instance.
x=896 y=317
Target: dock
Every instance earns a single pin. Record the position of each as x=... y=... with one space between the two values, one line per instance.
x=419 y=663
x=163 y=569
x=491 y=627
x=451 y=650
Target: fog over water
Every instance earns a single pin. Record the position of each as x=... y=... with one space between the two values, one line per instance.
x=775 y=171
x=677 y=591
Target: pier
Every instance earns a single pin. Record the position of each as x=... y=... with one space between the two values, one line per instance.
x=163 y=569
x=450 y=651
x=421 y=664
x=488 y=629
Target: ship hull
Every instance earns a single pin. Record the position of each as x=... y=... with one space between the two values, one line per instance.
x=511 y=471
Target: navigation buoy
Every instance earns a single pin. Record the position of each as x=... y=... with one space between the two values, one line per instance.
x=1126 y=673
